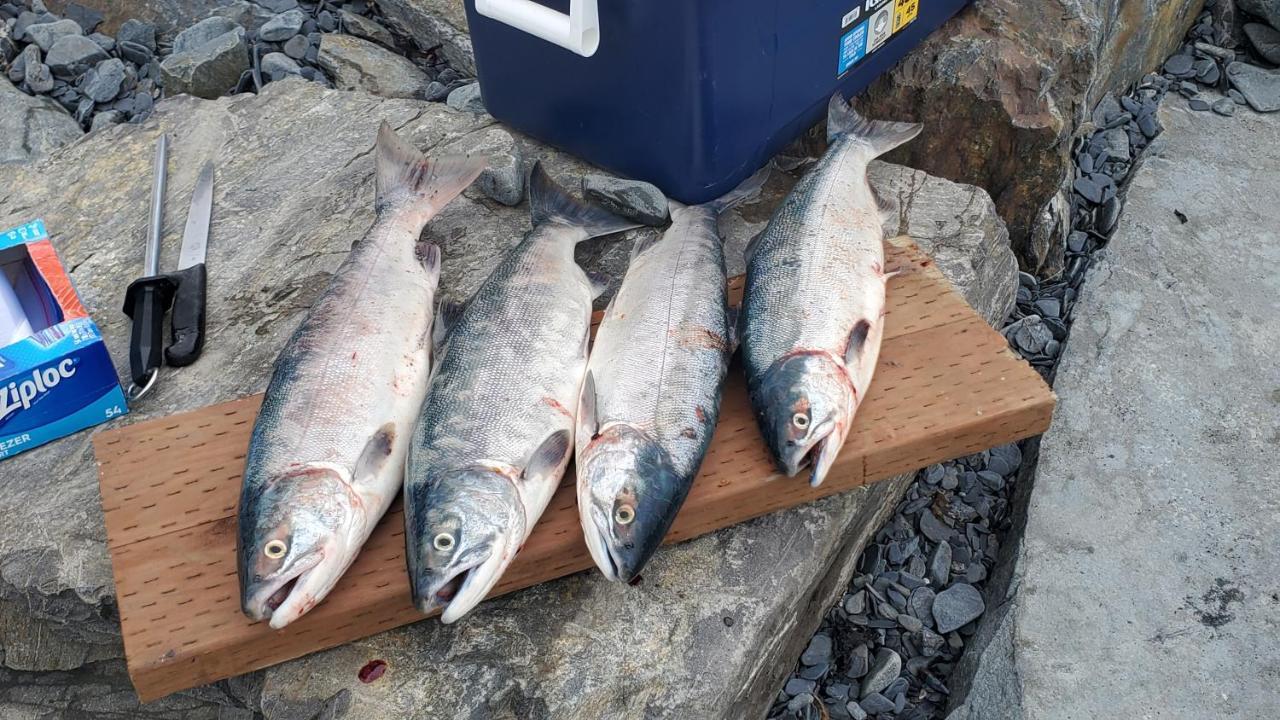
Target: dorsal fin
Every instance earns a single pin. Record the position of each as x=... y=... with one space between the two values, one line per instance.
x=587 y=406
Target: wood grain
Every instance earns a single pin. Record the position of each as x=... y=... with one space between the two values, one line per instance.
x=946 y=386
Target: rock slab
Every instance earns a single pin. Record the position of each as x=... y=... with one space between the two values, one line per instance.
x=1148 y=574
x=31 y=126
x=355 y=64
x=434 y=24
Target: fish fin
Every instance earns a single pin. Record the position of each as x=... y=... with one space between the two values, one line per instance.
x=889 y=217
x=376 y=453
x=857 y=339
x=599 y=283
x=731 y=322
x=587 y=406
x=881 y=136
x=748 y=190
x=447 y=314
x=751 y=246
x=548 y=202
x=406 y=177
x=889 y=276
x=546 y=460
x=645 y=242
x=429 y=255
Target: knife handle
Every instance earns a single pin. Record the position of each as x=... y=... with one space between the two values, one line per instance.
x=146 y=302
x=188 y=316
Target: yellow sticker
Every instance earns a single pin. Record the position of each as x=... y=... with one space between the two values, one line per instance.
x=904 y=12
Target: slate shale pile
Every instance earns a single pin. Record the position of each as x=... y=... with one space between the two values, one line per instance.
x=888 y=648
x=102 y=80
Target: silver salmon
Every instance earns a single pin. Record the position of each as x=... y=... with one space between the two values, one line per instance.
x=327 y=452
x=652 y=394
x=496 y=433
x=814 y=298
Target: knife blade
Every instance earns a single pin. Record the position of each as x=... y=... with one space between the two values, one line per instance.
x=190 y=277
x=148 y=297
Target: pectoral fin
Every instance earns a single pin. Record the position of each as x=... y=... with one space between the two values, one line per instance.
x=377 y=452
x=551 y=453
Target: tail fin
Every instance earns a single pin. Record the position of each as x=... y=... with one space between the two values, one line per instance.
x=879 y=135
x=405 y=176
x=749 y=189
x=548 y=202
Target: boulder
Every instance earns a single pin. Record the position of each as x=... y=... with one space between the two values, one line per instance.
x=1000 y=98
x=29 y=128
x=433 y=24
x=1147 y=572
x=206 y=70
x=46 y=34
x=1268 y=10
x=363 y=27
x=355 y=64
x=304 y=190
x=168 y=16
x=71 y=55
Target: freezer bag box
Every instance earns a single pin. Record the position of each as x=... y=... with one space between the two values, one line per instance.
x=691 y=95
x=55 y=374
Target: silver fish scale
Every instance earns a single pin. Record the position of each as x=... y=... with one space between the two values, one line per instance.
x=660 y=355
x=810 y=278
x=358 y=361
x=510 y=370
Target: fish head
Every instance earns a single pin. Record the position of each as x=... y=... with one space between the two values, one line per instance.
x=804 y=404
x=464 y=528
x=628 y=495
x=297 y=536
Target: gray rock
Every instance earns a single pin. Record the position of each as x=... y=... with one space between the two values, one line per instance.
x=875 y=703
x=363 y=27
x=278 y=6
x=1117 y=144
x=1225 y=107
x=283 y=26
x=46 y=34
x=278 y=66
x=1049 y=306
x=134 y=53
x=799 y=686
x=859 y=662
x=940 y=563
x=296 y=47
x=1179 y=65
x=435 y=91
x=933 y=528
x=30 y=127
x=467 y=98
x=1260 y=87
x=105 y=42
x=203 y=32
x=910 y=623
x=1236 y=97
x=1265 y=39
x=1149 y=126
x=25 y=20
x=355 y=64
x=1198 y=105
x=102 y=83
x=956 y=607
x=433 y=25
x=884 y=669
x=639 y=201
x=503 y=178
x=1138 y=434
x=139 y=32
x=106 y=119
x=1268 y=10
x=920 y=604
x=818 y=651
x=208 y=70
x=856 y=711
x=71 y=55
x=52 y=542
x=39 y=78
x=87 y=18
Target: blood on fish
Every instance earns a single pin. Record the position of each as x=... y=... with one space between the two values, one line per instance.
x=372 y=670
x=699 y=413
x=700 y=337
x=689 y=433
x=556 y=405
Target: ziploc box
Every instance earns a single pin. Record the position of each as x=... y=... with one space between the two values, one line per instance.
x=59 y=378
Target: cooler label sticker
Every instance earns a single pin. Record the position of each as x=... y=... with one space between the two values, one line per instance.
x=883 y=19
x=904 y=12
x=853 y=47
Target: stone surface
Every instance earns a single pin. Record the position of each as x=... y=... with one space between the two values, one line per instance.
x=1268 y=10
x=46 y=34
x=1260 y=87
x=201 y=33
x=1147 y=581
x=207 y=70
x=29 y=128
x=363 y=27
x=168 y=16
x=102 y=83
x=72 y=55
x=277 y=65
x=467 y=97
x=1014 y=95
x=283 y=26
x=1265 y=39
x=434 y=24
x=355 y=64
x=640 y=201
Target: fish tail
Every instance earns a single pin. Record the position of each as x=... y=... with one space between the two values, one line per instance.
x=409 y=181
x=749 y=189
x=879 y=135
x=548 y=202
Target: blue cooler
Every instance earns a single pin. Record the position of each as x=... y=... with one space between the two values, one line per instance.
x=691 y=95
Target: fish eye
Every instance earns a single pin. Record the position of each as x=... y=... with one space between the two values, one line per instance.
x=625 y=514
x=275 y=549
x=443 y=542
x=800 y=420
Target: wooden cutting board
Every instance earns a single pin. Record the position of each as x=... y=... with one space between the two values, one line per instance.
x=947 y=385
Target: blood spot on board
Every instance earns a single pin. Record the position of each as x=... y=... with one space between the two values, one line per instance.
x=371 y=671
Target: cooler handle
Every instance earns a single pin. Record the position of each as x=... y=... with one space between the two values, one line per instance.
x=578 y=32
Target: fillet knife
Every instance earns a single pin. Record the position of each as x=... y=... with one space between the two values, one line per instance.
x=149 y=297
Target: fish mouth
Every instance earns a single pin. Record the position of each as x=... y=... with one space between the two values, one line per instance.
x=460 y=591
x=820 y=455
x=286 y=589
x=611 y=564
